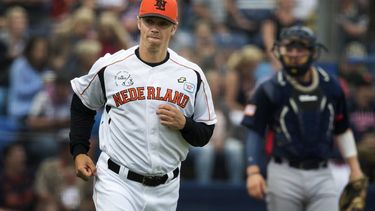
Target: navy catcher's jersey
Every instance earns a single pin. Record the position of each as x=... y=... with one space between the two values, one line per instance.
x=303 y=118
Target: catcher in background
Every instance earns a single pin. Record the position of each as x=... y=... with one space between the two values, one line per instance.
x=305 y=108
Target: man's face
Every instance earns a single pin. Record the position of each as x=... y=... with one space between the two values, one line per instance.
x=155 y=31
x=294 y=53
x=16 y=159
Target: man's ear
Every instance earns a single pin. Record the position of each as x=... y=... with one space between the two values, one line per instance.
x=174 y=29
x=139 y=23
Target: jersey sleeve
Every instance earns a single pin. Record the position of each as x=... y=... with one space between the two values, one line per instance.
x=258 y=111
x=204 y=107
x=341 y=122
x=88 y=87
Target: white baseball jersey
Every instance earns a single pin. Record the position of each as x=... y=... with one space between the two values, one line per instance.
x=130 y=131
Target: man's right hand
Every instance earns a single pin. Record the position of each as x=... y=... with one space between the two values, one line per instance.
x=84 y=166
x=256 y=186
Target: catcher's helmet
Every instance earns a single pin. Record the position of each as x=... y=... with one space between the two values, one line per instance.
x=297 y=37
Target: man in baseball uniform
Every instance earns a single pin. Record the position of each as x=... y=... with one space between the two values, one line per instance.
x=305 y=108
x=156 y=104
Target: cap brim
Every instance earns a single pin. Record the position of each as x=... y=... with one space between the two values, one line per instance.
x=159 y=16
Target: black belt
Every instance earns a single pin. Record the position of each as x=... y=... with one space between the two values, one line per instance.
x=304 y=164
x=145 y=180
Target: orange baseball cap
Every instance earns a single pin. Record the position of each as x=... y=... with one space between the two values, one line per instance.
x=167 y=9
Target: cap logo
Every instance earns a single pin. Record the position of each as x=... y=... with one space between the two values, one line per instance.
x=160 y=4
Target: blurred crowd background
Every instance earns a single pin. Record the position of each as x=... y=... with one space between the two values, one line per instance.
x=46 y=43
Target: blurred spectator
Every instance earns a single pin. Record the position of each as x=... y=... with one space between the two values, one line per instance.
x=240 y=81
x=366 y=154
x=204 y=45
x=59 y=10
x=49 y=117
x=185 y=14
x=353 y=23
x=60 y=189
x=16 y=32
x=12 y=43
x=76 y=5
x=13 y=39
x=129 y=19
x=36 y=9
x=361 y=107
x=187 y=53
x=26 y=77
x=246 y=69
x=111 y=34
x=240 y=78
x=306 y=10
x=16 y=181
x=236 y=20
x=352 y=64
x=86 y=52
x=238 y=84
x=79 y=26
x=2 y=18
x=361 y=110
x=251 y=13
x=352 y=68
x=282 y=17
x=211 y=11
x=3 y=80
x=212 y=15
x=115 y=6
x=227 y=40
x=371 y=29
x=220 y=143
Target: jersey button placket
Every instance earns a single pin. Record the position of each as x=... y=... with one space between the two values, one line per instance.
x=152 y=122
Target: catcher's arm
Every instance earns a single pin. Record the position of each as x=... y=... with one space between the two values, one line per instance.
x=354 y=194
x=348 y=149
x=355 y=169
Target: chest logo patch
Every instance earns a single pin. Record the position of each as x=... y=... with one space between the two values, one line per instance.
x=189 y=87
x=181 y=80
x=123 y=78
x=308 y=98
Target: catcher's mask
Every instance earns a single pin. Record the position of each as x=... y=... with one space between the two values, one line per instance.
x=297 y=39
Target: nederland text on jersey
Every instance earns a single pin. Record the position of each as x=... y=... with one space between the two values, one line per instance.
x=153 y=93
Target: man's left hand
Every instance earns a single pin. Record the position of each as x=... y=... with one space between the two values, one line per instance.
x=171 y=117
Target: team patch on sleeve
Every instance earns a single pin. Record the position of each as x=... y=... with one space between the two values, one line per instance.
x=250 y=109
x=189 y=87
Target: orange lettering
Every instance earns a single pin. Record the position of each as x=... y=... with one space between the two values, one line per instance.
x=177 y=97
x=158 y=89
x=132 y=94
x=184 y=101
x=141 y=94
x=168 y=95
x=150 y=93
x=117 y=99
x=124 y=96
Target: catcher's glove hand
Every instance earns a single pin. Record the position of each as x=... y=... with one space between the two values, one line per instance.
x=353 y=197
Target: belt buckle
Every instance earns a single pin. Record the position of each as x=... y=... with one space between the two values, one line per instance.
x=304 y=166
x=150 y=180
x=311 y=165
x=323 y=164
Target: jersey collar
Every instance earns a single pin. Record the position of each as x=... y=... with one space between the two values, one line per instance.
x=150 y=63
